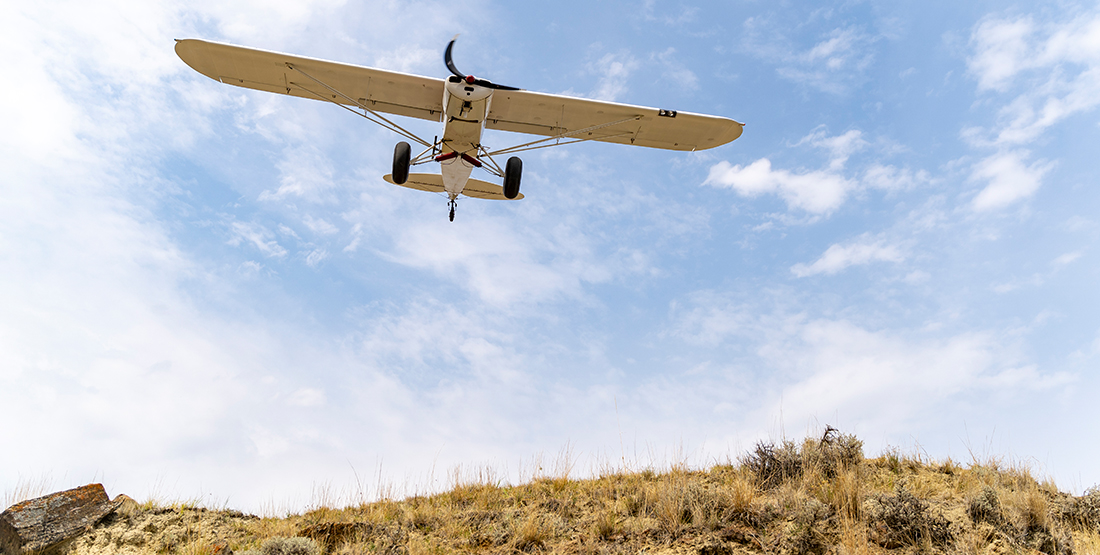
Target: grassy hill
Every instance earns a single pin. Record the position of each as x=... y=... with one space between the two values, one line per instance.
x=817 y=497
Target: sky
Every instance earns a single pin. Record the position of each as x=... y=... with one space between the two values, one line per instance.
x=210 y=294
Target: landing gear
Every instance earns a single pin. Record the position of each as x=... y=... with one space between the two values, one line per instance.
x=401 y=154
x=452 y=204
x=512 y=171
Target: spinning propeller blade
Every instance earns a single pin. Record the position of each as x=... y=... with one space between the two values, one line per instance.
x=470 y=78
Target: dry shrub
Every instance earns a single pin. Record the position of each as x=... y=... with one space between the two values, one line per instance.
x=774 y=464
x=1029 y=514
x=833 y=453
x=287 y=546
x=1083 y=513
x=804 y=530
x=986 y=507
x=902 y=519
x=330 y=535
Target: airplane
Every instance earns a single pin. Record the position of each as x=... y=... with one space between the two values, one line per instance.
x=466 y=105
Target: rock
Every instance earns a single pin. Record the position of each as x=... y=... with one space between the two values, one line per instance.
x=125 y=505
x=46 y=524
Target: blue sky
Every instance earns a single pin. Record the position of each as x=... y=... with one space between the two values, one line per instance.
x=210 y=292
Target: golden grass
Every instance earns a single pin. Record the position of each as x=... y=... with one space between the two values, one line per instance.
x=819 y=497
x=28 y=489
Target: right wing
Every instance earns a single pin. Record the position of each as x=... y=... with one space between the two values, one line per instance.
x=380 y=90
x=552 y=115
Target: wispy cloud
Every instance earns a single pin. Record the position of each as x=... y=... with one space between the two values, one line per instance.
x=613 y=69
x=833 y=64
x=837 y=368
x=256 y=235
x=1008 y=179
x=675 y=70
x=891 y=178
x=305 y=173
x=838 y=257
x=1057 y=66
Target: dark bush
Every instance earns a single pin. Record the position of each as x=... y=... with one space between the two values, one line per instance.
x=903 y=520
x=833 y=453
x=1083 y=512
x=773 y=464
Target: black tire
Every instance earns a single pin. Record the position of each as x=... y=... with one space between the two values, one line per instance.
x=401 y=155
x=512 y=172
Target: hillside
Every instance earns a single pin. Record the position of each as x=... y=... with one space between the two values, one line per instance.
x=818 y=497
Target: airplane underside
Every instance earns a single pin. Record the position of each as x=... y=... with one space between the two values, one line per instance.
x=465 y=105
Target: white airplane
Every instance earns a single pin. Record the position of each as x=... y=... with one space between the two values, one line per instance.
x=466 y=105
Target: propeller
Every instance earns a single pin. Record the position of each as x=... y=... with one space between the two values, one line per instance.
x=470 y=79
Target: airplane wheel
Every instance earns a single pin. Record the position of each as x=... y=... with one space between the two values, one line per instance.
x=401 y=154
x=512 y=172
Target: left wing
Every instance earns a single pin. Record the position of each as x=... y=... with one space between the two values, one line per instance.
x=553 y=115
x=380 y=90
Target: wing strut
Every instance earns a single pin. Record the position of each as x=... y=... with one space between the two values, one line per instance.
x=570 y=135
x=385 y=121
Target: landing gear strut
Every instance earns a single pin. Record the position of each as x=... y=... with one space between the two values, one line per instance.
x=452 y=204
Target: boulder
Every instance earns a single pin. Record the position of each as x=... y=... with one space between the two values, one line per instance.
x=46 y=524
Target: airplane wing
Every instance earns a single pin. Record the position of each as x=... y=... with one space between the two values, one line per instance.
x=390 y=92
x=553 y=115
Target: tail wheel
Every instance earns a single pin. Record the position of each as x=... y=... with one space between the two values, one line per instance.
x=512 y=172
x=401 y=155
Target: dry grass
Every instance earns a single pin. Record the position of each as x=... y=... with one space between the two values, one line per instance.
x=27 y=489
x=818 y=497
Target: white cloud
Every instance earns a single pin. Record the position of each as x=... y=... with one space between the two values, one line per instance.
x=838 y=257
x=817 y=192
x=1001 y=51
x=256 y=235
x=319 y=225
x=1009 y=179
x=833 y=64
x=1067 y=258
x=891 y=178
x=1058 y=64
x=676 y=71
x=874 y=381
x=613 y=70
x=305 y=173
x=882 y=377
x=840 y=147
x=505 y=271
x=315 y=257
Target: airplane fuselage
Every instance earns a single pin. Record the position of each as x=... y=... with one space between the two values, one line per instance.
x=465 y=107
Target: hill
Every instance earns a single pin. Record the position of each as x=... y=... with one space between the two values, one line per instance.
x=820 y=496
